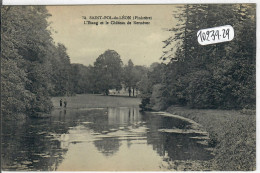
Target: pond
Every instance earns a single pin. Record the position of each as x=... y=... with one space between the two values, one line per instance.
x=98 y=139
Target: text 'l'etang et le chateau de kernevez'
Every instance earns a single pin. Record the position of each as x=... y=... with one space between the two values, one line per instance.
x=117 y=20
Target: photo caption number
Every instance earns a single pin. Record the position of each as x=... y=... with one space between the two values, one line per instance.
x=215 y=35
x=225 y=33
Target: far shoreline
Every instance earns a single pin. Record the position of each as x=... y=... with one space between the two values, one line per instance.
x=96 y=101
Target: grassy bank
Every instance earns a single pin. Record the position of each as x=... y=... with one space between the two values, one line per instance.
x=96 y=101
x=232 y=133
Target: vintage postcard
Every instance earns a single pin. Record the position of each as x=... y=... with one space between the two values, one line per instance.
x=169 y=87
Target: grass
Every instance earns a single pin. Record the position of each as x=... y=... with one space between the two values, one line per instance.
x=232 y=134
x=96 y=101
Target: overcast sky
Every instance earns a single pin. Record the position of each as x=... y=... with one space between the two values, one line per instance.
x=141 y=43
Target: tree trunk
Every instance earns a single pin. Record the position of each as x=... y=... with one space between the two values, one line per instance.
x=129 y=91
x=107 y=92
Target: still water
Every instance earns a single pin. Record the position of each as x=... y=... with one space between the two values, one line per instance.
x=112 y=139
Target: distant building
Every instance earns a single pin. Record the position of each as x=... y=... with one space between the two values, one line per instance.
x=123 y=92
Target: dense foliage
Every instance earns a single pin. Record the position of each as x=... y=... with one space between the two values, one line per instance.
x=108 y=70
x=213 y=76
x=108 y=73
x=132 y=75
x=32 y=67
x=82 y=79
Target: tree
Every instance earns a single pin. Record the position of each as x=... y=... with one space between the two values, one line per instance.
x=226 y=88
x=128 y=76
x=25 y=58
x=30 y=61
x=107 y=71
x=61 y=77
x=212 y=76
x=132 y=75
x=138 y=73
x=82 y=79
x=145 y=87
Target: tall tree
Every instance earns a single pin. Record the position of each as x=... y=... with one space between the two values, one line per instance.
x=138 y=73
x=128 y=76
x=108 y=71
x=62 y=72
x=82 y=79
x=204 y=64
x=132 y=75
x=28 y=58
x=213 y=76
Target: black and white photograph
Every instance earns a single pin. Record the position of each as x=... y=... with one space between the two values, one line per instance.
x=137 y=87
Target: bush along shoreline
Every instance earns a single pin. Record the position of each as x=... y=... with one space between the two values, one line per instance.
x=232 y=135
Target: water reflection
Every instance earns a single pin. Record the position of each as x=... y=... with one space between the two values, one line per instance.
x=119 y=139
x=29 y=146
x=108 y=146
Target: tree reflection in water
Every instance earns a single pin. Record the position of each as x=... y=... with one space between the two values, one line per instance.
x=29 y=146
x=107 y=146
x=42 y=144
x=117 y=120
